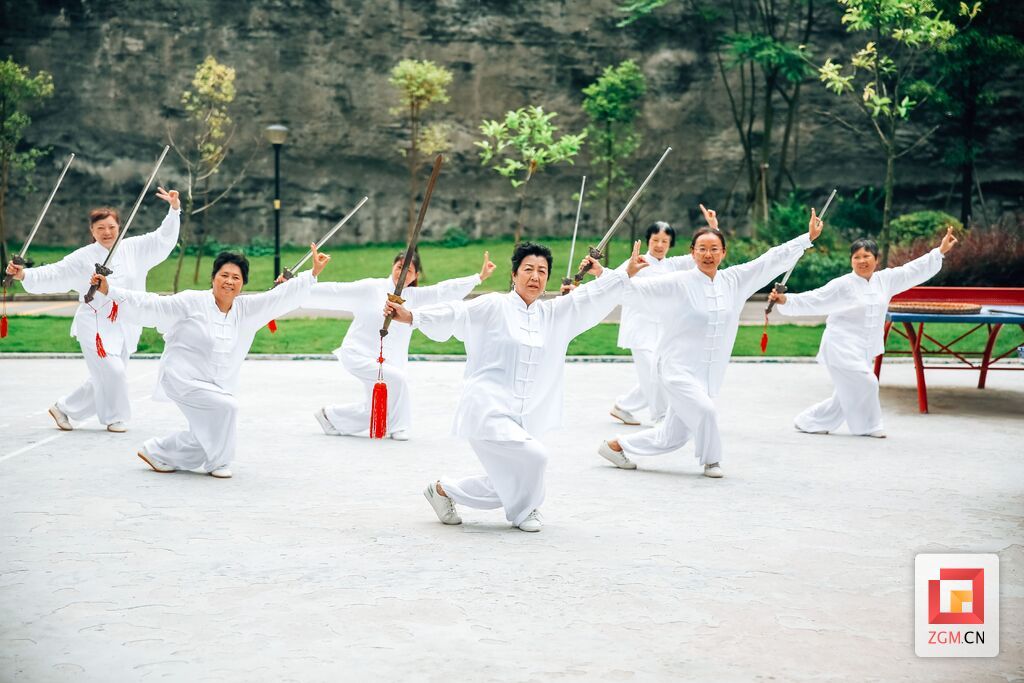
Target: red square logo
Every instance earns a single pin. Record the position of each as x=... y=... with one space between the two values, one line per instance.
x=957 y=612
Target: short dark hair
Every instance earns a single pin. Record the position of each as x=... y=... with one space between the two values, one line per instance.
x=226 y=257
x=530 y=249
x=865 y=244
x=708 y=230
x=661 y=226
x=103 y=212
x=400 y=258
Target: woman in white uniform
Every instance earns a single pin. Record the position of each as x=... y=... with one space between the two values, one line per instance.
x=640 y=328
x=359 y=350
x=207 y=334
x=856 y=304
x=105 y=393
x=515 y=354
x=701 y=309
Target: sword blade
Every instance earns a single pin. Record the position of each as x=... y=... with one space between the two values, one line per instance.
x=138 y=203
x=820 y=215
x=632 y=200
x=575 y=229
x=46 y=206
x=330 y=233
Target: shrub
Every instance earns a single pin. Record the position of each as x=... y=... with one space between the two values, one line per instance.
x=454 y=237
x=859 y=215
x=815 y=268
x=983 y=258
x=921 y=225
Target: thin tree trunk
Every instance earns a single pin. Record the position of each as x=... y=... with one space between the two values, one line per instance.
x=890 y=181
x=414 y=127
x=967 y=168
x=201 y=233
x=183 y=235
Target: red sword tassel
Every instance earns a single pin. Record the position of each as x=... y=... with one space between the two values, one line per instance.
x=379 y=400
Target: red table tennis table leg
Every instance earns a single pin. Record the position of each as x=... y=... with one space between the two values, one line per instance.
x=878 y=358
x=915 y=348
x=985 y=359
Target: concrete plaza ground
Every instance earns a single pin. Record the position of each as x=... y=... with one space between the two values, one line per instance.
x=320 y=560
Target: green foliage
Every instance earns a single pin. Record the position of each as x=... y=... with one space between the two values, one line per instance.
x=213 y=90
x=454 y=237
x=524 y=143
x=788 y=59
x=790 y=218
x=930 y=225
x=859 y=215
x=420 y=83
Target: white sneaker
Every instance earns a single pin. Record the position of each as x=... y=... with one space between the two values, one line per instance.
x=532 y=523
x=617 y=458
x=809 y=431
x=117 y=427
x=156 y=464
x=221 y=473
x=713 y=470
x=325 y=424
x=623 y=416
x=400 y=435
x=63 y=423
x=443 y=506
x=878 y=435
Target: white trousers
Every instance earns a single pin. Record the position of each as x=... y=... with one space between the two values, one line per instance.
x=514 y=479
x=691 y=414
x=354 y=418
x=105 y=393
x=648 y=393
x=209 y=441
x=854 y=401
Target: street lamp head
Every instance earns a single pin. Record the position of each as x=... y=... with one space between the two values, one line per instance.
x=275 y=134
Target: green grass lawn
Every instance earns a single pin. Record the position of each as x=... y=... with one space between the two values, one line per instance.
x=323 y=335
x=357 y=262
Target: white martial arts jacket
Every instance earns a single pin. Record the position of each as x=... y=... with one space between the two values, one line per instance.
x=700 y=316
x=856 y=310
x=639 y=328
x=132 y=262
x=515 y=354
x=204 y=348
x=365 y=299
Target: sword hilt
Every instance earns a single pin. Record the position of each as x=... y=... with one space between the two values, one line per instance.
x=286 y=274
x=395 y=299
x=779 y=288
x=595 y=254
x=91 y=294
x=9 y=279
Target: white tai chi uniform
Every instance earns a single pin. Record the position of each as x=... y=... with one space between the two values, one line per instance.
x=639 y=330
x=203 y=354
x=515 y=356
x=853 y=337
x=700 y=319
x=105 y=393
x=358 y=351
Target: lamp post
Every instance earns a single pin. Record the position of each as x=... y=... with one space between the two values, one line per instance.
x=276 y=136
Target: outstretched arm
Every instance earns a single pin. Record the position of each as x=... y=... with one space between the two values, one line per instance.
x=152 y=248
x=142 y=308
x=921 y=269
x=833 y=296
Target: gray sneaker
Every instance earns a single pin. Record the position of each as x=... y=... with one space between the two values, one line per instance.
x=443 y=506
x=617 y=458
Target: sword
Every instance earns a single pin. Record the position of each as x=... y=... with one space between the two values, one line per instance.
x=413 y=239
x=572 y=250
x=19 y=259
x=289 y=273
x=598 y=251
x=780 y=287
x=101 y=268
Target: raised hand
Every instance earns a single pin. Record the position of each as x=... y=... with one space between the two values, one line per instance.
x=488 y=268
x=169 y=196
x=948 y=241
x=814 y=226
x=595 y=266
x=398 y=312
x=710 y=216
x=101 y=282
x=16 y=271
x=636 y=261
x=319 y=261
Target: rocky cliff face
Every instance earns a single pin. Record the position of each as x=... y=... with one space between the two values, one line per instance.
x=321 y=66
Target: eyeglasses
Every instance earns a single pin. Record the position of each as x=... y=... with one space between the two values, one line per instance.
x=714 y=251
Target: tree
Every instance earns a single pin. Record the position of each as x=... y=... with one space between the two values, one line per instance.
x=611 y=103
x=882 y=78
x=966 y=78
x=18 y=90
x=206 y=141
x=420 y=84
x=762 y=59
x=522 y=145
